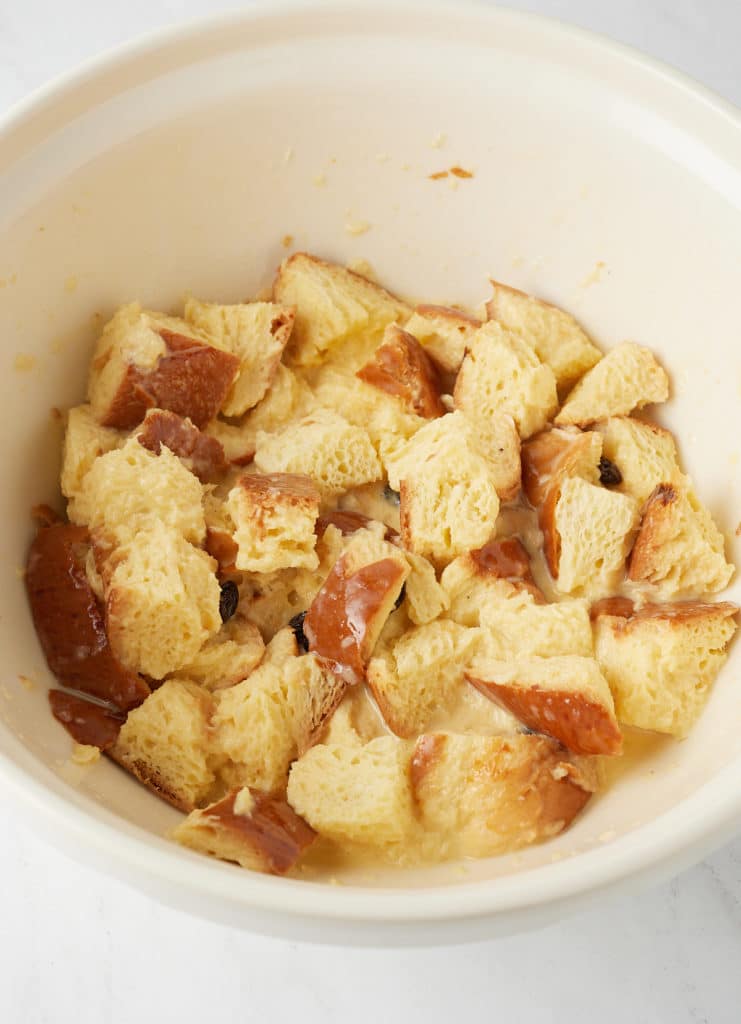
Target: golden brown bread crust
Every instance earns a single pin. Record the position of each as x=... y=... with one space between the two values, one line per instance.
x=506 y=559
x=191 y=380
x=292 y=488
x=221 y=545
x=650 y=537
x=448 y=313
x=348 y=521
x=204 y=455
x=673 y=612
x=147 y=774
x=346 y=616
x=270 y=837
x=583 y=725
x=402 y=368
x=69 y=619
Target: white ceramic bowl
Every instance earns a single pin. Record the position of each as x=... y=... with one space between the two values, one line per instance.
x=601 y=181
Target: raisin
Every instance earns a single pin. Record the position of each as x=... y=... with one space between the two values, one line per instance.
x=297 y=625
x=229 y=599
x=609 y=474
x=391 y=495
x=400 y=598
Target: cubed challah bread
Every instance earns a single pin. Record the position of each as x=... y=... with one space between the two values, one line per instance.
x=644 y=454
x=627 y=378
x=444 y=333
x=556 y=337
x=147 y=360
x=274 y=516
x=256 y=333
x=166 y=743
x=336 y=454
x=84 y=441
x=259 y=831
x=661 y=661
x=401 y=368
x=483 y=795
x=502 y=374
x=332 y=304
x=679 y=548
x=565 y=697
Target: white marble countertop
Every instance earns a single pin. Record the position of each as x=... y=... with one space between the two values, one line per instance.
x=75 y=946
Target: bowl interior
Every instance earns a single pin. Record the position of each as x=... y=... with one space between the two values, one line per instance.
x=195 y=165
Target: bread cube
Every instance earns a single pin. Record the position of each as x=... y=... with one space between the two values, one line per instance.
x=201 y=454
x=425 y=598
x=515 y=625
x=556 y=337
x=69 y=620
x=127 y=489
x=288 y=398
x=333 y=305
x=491 y=573
x=146 y=360
x=274 y=516
x=401 y=369
x=448 y=498
x=324 y=446
x=263 y=723
x=502 y=374
x=627 y=378
x=420 y=674
x=444 y=332
x=162 y=601
x=356 y=794
x=256 y=333
x=594 y=528
x=553 y=456
x=258 y=831
x=644 y=453
x=679 y=548
x=486 y=795
x=383 y=416
x=228 y=657
x=84 y=441
x=565 y=697
x=348 y=613
x=661 y=662
x=166 y=744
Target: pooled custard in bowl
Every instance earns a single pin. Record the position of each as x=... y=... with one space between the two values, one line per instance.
x=341 y=574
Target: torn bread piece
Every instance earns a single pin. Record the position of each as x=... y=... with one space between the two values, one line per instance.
x=274 y=516
x=347 y=615
x=485 y=795
x=401 y=369
x=553 y=456
x=679 y=548
x=256 y=333
x=499 y=568
x=644 y=454
x=661 y=661
x=146 y=360
x=288 y=399
x=627 y=378
x=333 y=304
x=502 y=374
x=382 y=415
x=425 y=598
x=515 y=625
x=420 y=674
x=166 y=744
x=161 y=599
x=128 y=489
x=357 y=794
x=565 y=697
x=256 y=830
x=556 y=337
x=262 y=724
x=336 y=454
x=228 y=657
x=592 y=532
x=448 y=497
x=84 y=441
x=201 y=454
x=444 y=332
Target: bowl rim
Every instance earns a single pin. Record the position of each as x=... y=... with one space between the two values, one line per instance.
x=676 y=838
